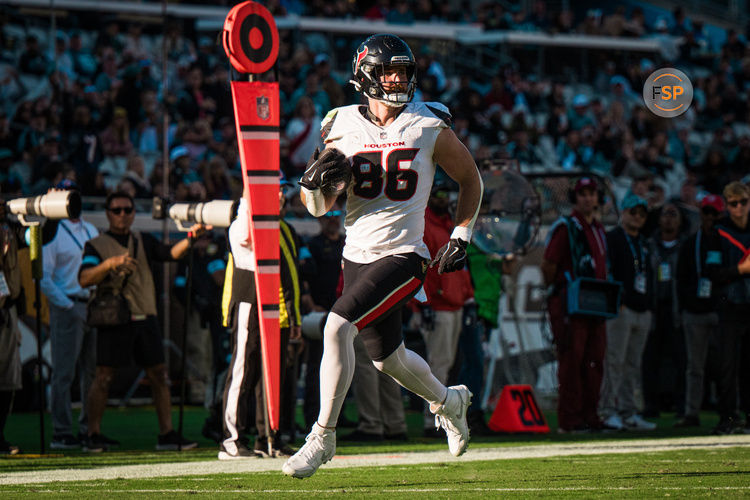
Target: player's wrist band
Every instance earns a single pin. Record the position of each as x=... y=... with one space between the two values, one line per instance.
x=461 y=233
x=315 y=202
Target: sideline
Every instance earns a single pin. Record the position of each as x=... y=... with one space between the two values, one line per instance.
x=343 y=461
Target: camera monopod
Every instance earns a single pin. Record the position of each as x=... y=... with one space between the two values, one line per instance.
x=35 y=255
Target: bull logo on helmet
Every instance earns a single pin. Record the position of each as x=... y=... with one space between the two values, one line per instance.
x=360 y=55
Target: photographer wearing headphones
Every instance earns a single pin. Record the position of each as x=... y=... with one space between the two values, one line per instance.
x=577 y=246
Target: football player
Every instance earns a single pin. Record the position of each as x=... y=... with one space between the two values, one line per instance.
x=383 y=155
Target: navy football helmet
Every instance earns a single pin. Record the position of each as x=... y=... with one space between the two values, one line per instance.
x=377 y=56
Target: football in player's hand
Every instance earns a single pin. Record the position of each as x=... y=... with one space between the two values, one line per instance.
x=337 y=174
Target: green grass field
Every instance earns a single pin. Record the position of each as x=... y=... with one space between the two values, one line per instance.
x=694 y=473
x=681 y=473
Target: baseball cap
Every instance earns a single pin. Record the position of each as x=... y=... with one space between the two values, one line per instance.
x=618 y=80
x=632 y=201
x=584 y=183
x=580 y=100
x=178 y=152
x=714 y=201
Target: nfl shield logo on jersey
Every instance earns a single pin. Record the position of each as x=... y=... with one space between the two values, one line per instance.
x=264 y=111
x=383 y=135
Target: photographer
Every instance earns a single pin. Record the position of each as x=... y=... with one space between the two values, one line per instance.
x=120 y=259
x=10 y=338
x=72 y=342
x=733 y=278
x=627 y=333
x=577 y=245
x=12 y=238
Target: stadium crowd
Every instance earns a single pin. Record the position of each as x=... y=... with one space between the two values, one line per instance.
x=88 y=106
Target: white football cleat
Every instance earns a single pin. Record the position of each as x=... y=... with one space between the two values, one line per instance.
x=451 y=416
x=319 y=448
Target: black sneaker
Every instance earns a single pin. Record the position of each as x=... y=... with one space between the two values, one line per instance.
x=725 y=426
x=283 y=450
x=109 y=441
x=64 y=442
x=104 y=439
x=396 y=436
x=172 y=442
x=280 y=449
x=578 y=429
x=212 y=430
x=688 y=421
x=242 y=452
x=261 y=448
x=8 y=449
x=361 y=436
x=94 y=444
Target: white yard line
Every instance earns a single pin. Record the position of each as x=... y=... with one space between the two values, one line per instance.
x=350 y=490
x=474 y=454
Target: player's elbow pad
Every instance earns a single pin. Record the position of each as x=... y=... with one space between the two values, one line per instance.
x=315 y=202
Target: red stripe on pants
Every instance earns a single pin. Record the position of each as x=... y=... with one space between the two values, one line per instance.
x=394 y=299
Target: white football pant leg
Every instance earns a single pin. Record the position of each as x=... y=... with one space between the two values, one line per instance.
x=336 y=367
x=411 y=371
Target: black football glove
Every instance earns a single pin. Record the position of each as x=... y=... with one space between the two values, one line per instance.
x=323 y=165
x=451 y=256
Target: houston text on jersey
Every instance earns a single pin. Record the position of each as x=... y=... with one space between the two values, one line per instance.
x=384 y=145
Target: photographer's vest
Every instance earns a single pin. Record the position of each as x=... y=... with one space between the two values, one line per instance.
x=9 y=265
x=139 y=289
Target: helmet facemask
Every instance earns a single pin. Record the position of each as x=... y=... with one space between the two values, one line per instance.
x=395 y=92
x=382 y=55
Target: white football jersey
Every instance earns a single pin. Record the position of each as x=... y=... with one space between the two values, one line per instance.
x=393 y=173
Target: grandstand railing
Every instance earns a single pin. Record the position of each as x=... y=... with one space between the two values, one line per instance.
x=212 y=18
x=483 y=51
